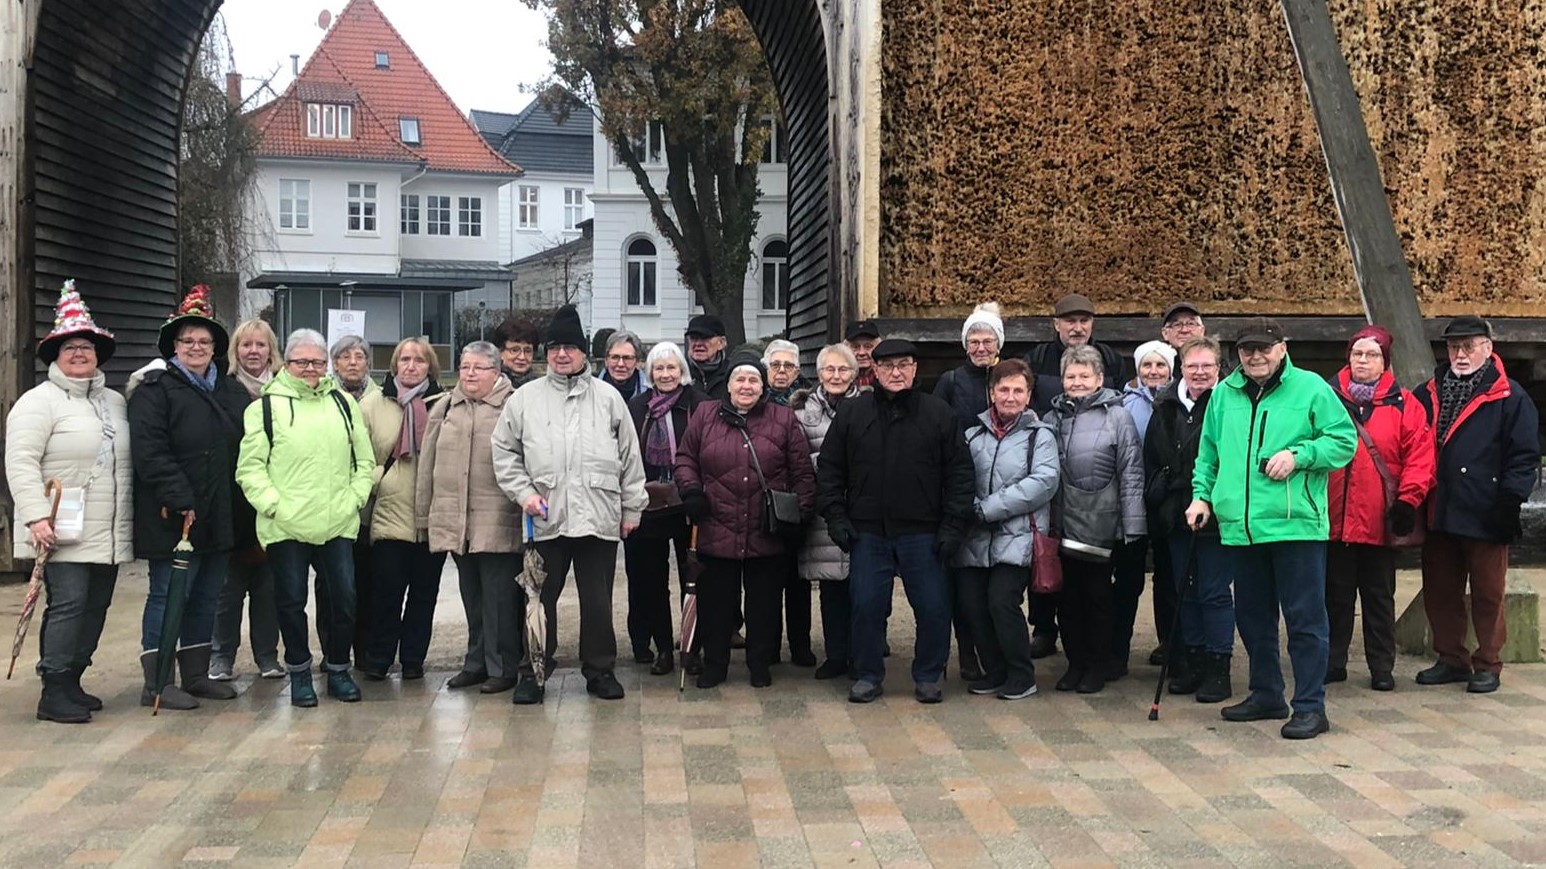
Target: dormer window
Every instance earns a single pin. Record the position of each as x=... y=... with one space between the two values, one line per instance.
x=383 y=61
x=408 y=128
x=329 y=121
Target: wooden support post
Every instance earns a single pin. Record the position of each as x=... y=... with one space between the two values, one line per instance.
x=1384 y=279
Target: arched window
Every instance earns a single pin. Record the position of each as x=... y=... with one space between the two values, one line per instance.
x=775 y=275
x=642 y=267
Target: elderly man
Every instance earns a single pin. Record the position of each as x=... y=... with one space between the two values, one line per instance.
x=861 y=336
x=1181 y=323
x=1271 y=436
x=706 y=344
x=1073 y=321
x=895 y=484
x=1489 y=452
x=566 y=451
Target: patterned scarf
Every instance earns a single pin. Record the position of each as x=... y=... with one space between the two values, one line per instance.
x=411 y=436
x=1455 y=392
x=660 y=445
x=205 y=382
x=1001 y=425
x=1361 y=393
x=356 y=389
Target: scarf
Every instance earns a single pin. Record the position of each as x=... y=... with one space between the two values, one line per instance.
x=1361 y=393
x=206 y=383
x=411 y=436
x=660 y=444
x=254 y=385
x=355 y=389
x=1001 y=425
x=1455 y=392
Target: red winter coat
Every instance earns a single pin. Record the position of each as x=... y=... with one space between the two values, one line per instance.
x=1398 y=424
x=712 y=456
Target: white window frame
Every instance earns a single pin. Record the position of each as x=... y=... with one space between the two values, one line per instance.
x=528 y=198
x=780 y=266
x=403 y=125
x=574 y=208
x=295 y=208
x=646 y=276
x=650 y=148
x=437 y=207
x=361 y=208
x=329 y=121
x=408 y=206
x=345 y=122
x=314 y=120
x=469 y=216
x=775 y=150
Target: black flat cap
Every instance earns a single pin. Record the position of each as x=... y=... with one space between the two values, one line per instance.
x=1467 y=326
x=892 y=348
x=706 y=326
x=1259 y=330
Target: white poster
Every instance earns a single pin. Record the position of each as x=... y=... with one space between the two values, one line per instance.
x=341 y=323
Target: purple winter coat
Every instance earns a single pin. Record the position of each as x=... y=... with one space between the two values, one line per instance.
x=712 y=457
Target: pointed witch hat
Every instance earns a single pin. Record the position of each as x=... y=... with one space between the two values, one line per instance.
x=194 y=310
x=72 y=318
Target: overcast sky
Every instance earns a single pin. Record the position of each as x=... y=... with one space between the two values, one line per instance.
x=481 y=51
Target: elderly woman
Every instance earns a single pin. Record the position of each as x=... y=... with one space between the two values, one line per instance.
x=1101 y=507
x=781 y=359
x=735 y=450
x=187 y=426
x=465 y=513
x=351 y=368
x=1371 y=501
x=660 y=416
x=819 y=558
x=306 y=466
x=1155 y=363
x=73 y=429
x=400 y=556
x=1170 y=453
x=254 y=359
x=620 y=364
x=1015 y=462
x=518 y=339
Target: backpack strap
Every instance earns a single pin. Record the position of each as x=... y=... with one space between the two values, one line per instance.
x=343 y=408
x=268 y=419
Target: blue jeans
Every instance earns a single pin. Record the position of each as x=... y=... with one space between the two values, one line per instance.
x=291 y=561
x=1290 y=576
x=205 y=579
x=876 y=562
x=1208 y=607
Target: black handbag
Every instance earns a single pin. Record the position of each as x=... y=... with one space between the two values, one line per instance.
x=780 y=509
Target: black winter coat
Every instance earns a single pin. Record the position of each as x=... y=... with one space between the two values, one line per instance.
x=895 y=464
x=965 y=389
x=715 y=384
x=185 y=446
x=1046 y=361
x=1487 y=461
x=1169 y=455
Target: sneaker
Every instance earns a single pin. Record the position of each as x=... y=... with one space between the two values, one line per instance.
x=928 y=692
x=1017 y=692
x=1443 y=674
x=604 y=687
x=1305 y=725
x=221 y=671
x=527 y=692
x=1482 y=682
x=986 y=686
x=269 y=671
x=865 y=692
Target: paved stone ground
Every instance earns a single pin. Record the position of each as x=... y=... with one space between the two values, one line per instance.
x=789 y=776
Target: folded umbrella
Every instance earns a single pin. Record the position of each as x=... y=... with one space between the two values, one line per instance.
x=172 y=620
x=533 y=574
x=691 y=570
x=51 y=490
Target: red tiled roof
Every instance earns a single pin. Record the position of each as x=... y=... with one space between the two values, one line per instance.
x=344 y=66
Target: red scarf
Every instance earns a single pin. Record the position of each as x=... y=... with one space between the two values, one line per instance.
x=1001 y=426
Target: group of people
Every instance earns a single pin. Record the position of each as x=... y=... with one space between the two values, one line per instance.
x=1051 y=480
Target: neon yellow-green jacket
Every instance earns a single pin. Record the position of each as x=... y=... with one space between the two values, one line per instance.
x=301 y=482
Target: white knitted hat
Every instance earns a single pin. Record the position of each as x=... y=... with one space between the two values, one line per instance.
x=984 y=316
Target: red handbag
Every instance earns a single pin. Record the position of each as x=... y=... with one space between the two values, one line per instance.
x=1046 y=566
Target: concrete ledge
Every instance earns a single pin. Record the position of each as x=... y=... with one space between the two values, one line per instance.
x=1521 y=607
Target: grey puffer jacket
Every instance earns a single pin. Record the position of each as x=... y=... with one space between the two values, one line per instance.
x=1098 y=441
x=1016 y=478
x=819 y=557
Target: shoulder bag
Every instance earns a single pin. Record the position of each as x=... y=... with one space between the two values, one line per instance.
x=1392 y=488
x=780 y=509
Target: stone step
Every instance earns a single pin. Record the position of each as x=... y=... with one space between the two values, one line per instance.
x=1522 y=613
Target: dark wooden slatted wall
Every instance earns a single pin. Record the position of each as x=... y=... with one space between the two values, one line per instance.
x=791 y=34
x=105 y=116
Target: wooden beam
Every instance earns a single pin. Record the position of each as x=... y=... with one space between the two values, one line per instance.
x=1384 y=279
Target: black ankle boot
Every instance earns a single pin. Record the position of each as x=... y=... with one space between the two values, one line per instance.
x=78 y=694
x=1216 y=687
x=1190 y=671
x=56 y=703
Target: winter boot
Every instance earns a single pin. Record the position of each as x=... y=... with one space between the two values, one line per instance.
x=1216 y=687
x=1190 y=671
x=340 y=686
x=302 y=692
x=171 y=698
x=56 y=703
x=78 y=694
x=194 y=664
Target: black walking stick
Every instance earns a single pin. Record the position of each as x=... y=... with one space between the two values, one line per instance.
x=1188 y=583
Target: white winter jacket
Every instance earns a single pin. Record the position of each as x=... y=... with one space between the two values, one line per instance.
x=53 y=432
x=571 y=440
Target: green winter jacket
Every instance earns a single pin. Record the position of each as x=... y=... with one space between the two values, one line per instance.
x=1296 y=410
x=301 y=483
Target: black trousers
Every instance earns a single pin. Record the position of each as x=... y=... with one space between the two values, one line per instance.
x=797 y=607
x=966 y=636
x=837 y=619
x=1129 y=566
x=719 y=598
x=1084 y=608
x=647 y=563
x=989 y=600
x=1043 y=614
x=1367 y=574
x=364 y=588
x=595 y=568
x=407 y=584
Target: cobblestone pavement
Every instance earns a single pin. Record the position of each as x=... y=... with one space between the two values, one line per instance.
x=788 y=776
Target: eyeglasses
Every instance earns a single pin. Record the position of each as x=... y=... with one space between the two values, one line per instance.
x=836 y=369
x=1467 y=347
x=473 y=369
x=616 y=358
x=783 y=366
x=79 y=347
x=1366 y=354
x=895 y=365
x=201 y=343
x=1255 y=349
x=981 y=343
x=521 y=350
x=304 y=364
x=1199 y=367
x=1183 y=324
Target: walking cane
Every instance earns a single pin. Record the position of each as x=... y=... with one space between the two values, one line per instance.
x=1189 y=583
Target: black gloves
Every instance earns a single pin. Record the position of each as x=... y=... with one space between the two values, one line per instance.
x=1402 y=518
x=842 y=534
x=947 y=543
x=1503 y=519
x=697 y=505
